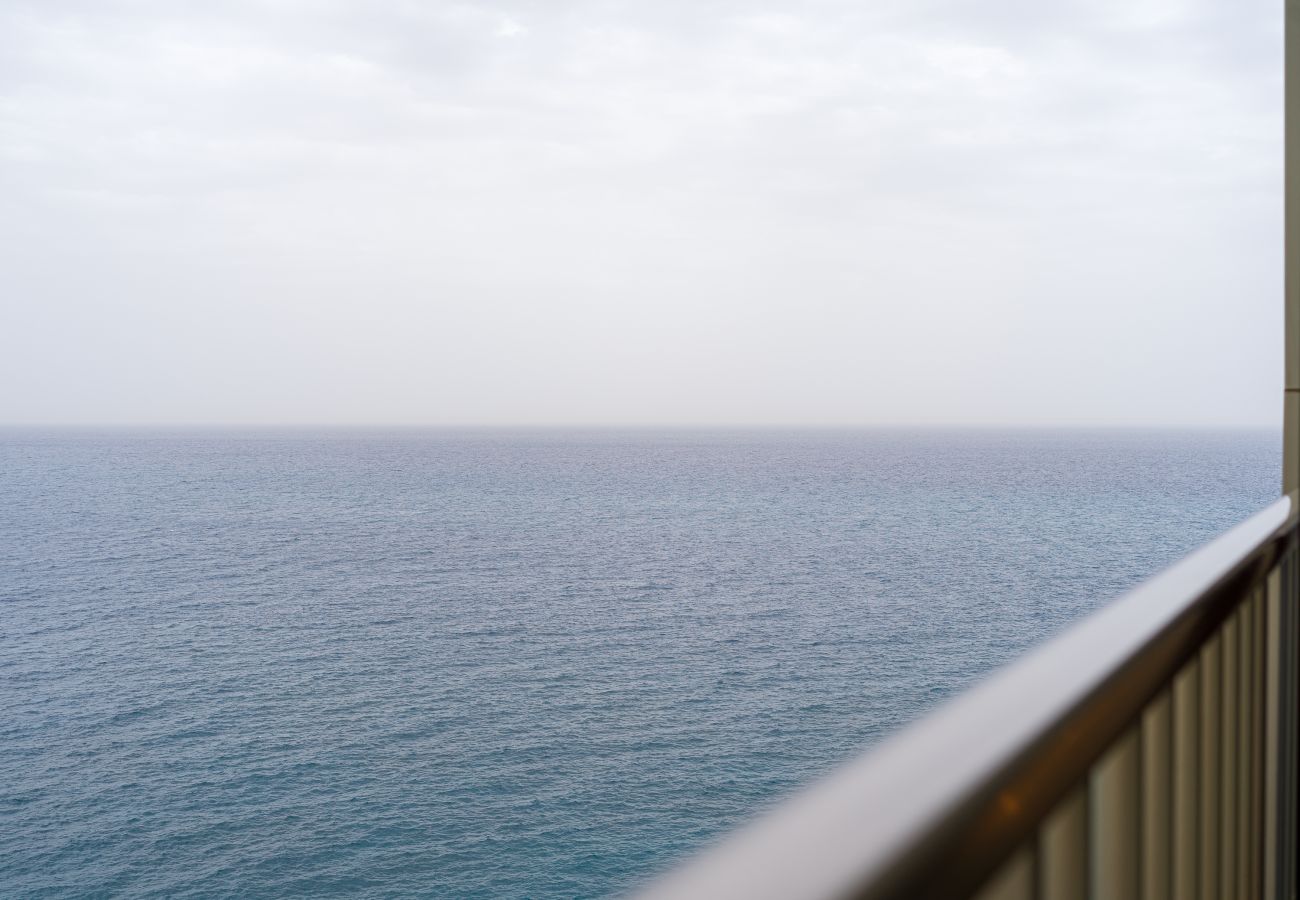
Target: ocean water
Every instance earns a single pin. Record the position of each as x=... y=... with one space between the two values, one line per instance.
x=519 y=664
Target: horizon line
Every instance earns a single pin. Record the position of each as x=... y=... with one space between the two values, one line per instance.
x=636 y=426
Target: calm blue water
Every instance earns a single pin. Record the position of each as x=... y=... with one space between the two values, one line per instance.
x=533 y=664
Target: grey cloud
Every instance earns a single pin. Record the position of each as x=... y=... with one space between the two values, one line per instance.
x=618 y=211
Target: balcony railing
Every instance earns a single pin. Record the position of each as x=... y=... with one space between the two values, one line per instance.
x=1148 y=752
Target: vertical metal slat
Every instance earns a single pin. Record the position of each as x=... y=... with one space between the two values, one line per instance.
x=1211 y=684
x=1157 y=797
x=1187 y=779
x=1229 y=728
x=1259 y=658
x=1063 y=850
x=1245 y=758
x=1272 y=736
x=1014 y=881
x=1114 y=821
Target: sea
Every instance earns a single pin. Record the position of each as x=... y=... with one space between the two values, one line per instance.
x=520 y=663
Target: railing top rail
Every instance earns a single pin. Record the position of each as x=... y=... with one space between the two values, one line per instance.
x=933 y=809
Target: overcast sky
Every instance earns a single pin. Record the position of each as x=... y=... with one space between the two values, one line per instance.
x=669 y=211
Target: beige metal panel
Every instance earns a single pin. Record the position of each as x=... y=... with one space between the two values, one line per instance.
x=1291 y=250
x=1157 y=797
x=1114 y=822
x=1187 y=780
x=1014 y=881
x=1211 y=690
x=1290 y=422
x=1063 y=850
x=1229 y=727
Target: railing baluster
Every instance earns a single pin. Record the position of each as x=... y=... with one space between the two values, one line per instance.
x=1229 y=647
x=1286 y=720
x=1259 y=825
x=1245 y=723
x=1286 y=717
x=1211 y=689
x=1157 y=797
x=1273 y=737
x=1114 y=821
x=1187 y=779
x=1261 y=728
x=1014 y=881
x=1063 y=850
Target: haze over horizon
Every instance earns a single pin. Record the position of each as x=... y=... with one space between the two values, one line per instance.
x=618 y=213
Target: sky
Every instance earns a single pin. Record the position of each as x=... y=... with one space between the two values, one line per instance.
x=669 y=212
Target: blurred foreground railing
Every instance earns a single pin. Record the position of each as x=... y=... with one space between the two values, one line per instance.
x=1150 y=751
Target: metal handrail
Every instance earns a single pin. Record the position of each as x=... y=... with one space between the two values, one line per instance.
x=936 y=809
